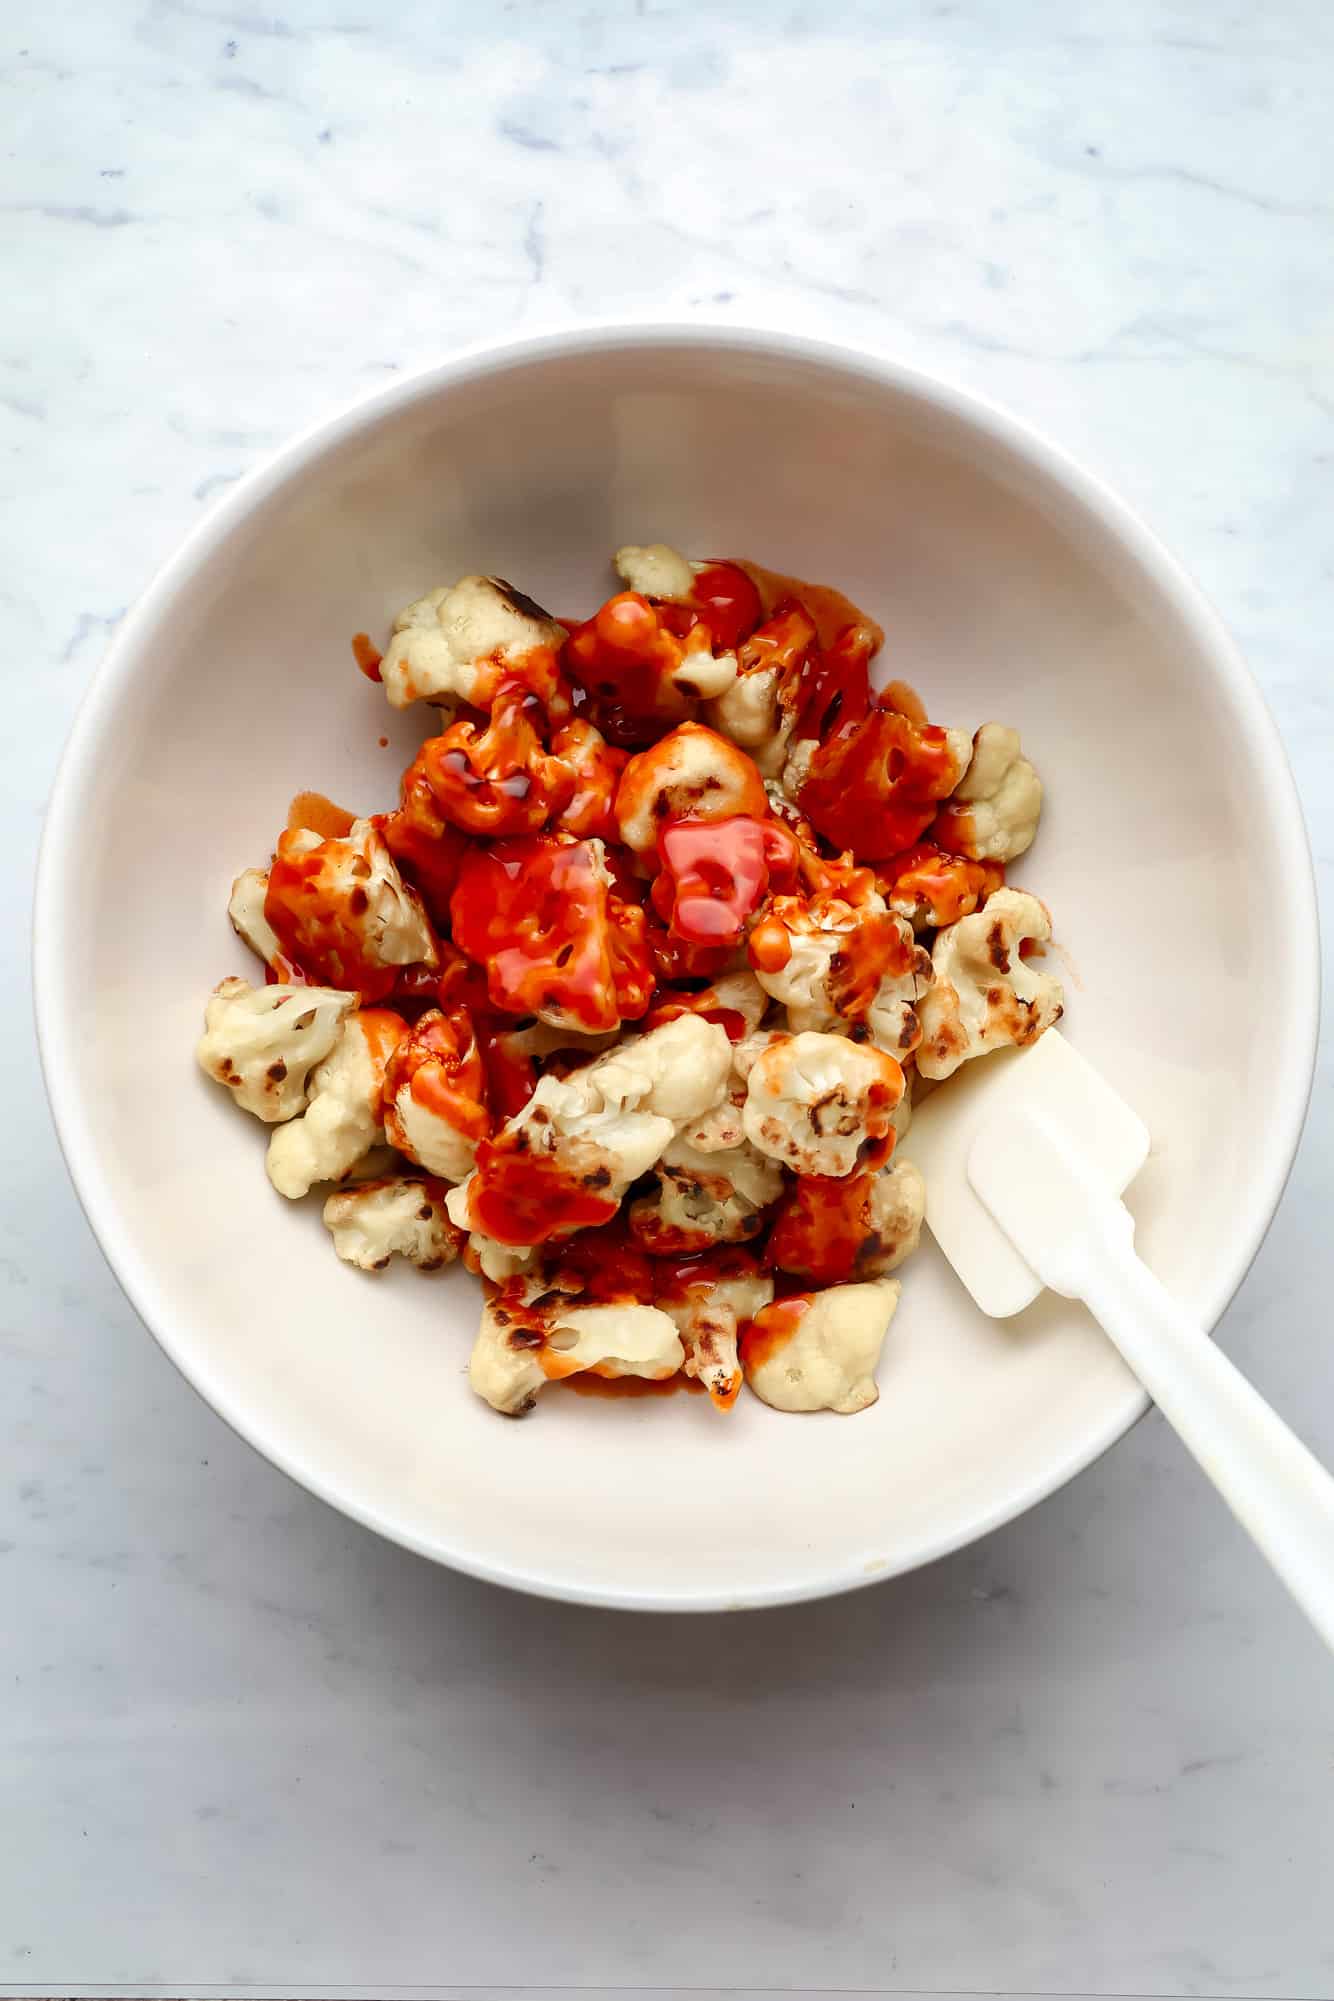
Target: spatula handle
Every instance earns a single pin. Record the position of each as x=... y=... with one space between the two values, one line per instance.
x=1273 y=1485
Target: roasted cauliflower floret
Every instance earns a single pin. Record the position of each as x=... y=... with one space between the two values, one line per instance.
x=521 y=1346
x=992 y=814
x=760 y=709
x=343 y=1117
x=263 y=1042
x=820 y=1351
x=398 y=1215
x=455 y=644
x=875 y=786
x=838 y=958
x=655 y=571
x=495 y=777
x=541 y=914
x=708 y=1310
x=435 y=1108
x=858 y=1228
x=931 y=888
x=341 y=911
x=814 y=1102
x=985 y=994
x=677 y=1071
x=642 y=665
x=723 y=1127
x=691 y=774
x=567 y=1158
x=704 y=1198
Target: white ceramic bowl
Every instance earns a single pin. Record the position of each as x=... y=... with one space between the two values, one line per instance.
x=1172 y=853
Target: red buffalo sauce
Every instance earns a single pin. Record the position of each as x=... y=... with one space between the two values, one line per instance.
x=715 y=874
x=367 y=655
x=728 y=602
x=537 y=913
x=522 y=1197
x=315 y=906
x=320 y=816
x=874 y=784
x=945 y=887
x=823 y=1226
x=772 y=1328
x=830 y=609
x=588 y=1383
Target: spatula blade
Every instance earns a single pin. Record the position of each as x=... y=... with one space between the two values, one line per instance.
x=1088 y=1116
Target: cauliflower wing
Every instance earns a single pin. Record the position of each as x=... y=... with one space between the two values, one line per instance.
x=521 y=1346
x=341 y=911
x=985 y=994
x=858 y=1228
x=816 y=1102
x=263 y=1042
x=708 y=1307
x=642 y=665
x=838 y=958
x=690 y=774
x=564 y=1161
x=703 y=1198
x=656 y=571
x=759 y=711
x=456 y=643
x=931 y=888
x=343 y=1116
x=398 y=1215
x=435 y=1108
x=245 y=908
x=992 y=814
x=820 y=1351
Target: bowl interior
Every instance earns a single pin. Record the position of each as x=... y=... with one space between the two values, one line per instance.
x=1009 y=590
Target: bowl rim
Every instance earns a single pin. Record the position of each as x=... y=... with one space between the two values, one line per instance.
x=1280 y=1133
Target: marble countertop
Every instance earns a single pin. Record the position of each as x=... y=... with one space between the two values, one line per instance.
x=243 y=1745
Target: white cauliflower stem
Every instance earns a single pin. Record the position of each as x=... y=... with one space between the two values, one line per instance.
x=821 y=1353
x=263 y=1042
x=985 y=994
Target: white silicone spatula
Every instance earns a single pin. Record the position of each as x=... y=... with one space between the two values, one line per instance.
x=1025 y=1156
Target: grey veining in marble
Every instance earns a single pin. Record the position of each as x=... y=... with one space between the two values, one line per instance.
x=243 y=1746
